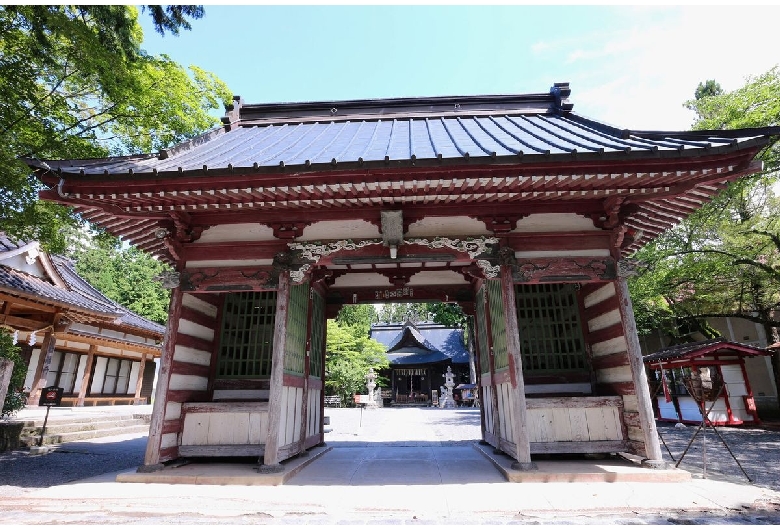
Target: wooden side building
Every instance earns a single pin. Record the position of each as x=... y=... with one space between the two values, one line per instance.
x=515 y=207
x=71 y=335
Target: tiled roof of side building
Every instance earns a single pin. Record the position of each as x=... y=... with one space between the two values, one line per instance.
x=23 y=284
x=704 y=347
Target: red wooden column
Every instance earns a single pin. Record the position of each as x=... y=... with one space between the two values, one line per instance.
x=271 y=455
x=84 y=390
x=152 y=456
x=42 y=371
x=638 y=375
x=520 y=422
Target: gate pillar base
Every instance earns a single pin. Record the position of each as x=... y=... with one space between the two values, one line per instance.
x=267 y=469
x=524 y=466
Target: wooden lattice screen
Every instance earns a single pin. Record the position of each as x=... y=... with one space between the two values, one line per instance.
x=497 y=325
x=484 y=362
x=247 y=336
x=317 y=334
x=548 y=319
x=297 y=316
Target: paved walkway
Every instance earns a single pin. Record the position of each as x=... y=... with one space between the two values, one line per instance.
x=380 y=462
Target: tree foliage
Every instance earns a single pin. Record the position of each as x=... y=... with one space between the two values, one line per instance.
x=125 y=275
x=350 y=354
x=441 y=313
x=14 y=399
x=75 y=83
x=724 y=260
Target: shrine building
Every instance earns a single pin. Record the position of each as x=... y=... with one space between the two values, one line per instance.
x=513 y=206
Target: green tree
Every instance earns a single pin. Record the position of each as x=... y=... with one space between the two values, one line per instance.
x=724 y=260
x=360 y=316
x=126 y=276
x=350 y=354
x=14 y=399
x=75 y=83
x=438 y=312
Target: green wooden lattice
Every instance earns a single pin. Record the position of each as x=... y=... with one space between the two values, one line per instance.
x=484 y=362
x=295 y=345
x=497 y=325
x=247 y=335
x=317 y=334
x=551 y=338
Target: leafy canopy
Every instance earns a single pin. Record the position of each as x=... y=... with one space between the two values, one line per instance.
x=76 y=83
x=125 y=275
x=724 y=260
x=350 y=354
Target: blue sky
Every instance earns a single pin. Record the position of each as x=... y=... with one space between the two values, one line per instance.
x=631 y=66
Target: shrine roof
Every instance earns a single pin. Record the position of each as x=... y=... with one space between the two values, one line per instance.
x=406 y=131
x=433 y=343
x=295 y=162
x=691 y=350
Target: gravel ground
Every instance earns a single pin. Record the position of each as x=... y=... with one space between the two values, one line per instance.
x=24 y=478
x=756 y=450
x=70 y=462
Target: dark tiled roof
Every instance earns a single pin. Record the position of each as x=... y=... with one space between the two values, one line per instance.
x=23 y=284
x=439 y=343
x=6 y=243
x=695 y=349
x=418 y=139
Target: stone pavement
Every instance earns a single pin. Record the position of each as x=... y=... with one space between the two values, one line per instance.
x=412 y=466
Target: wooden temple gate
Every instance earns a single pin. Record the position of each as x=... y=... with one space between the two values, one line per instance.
x=513 y=207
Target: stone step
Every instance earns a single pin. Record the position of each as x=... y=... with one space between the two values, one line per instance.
x=96 y=425
x=58 y=438
x=54 y=420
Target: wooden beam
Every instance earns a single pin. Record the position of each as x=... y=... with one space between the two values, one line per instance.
x=271 y=457
x=638 y=375
x=152 y=457
x=42 y=371
x=519 y=422
x=84 y=389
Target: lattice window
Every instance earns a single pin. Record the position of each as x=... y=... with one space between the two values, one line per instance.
x=247 y=338
x=297 y=319
x=484 y=362
x=497 y=325
x=548 y=318
x=317 y=335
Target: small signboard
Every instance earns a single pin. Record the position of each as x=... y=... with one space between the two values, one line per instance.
x=361 y=399
x=51 y=396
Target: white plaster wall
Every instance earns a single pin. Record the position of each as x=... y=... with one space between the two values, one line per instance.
x=99 y=375
x=458 y=226
x=133 y=380
x=555 y=222
x=236 y=232
x=352 y=229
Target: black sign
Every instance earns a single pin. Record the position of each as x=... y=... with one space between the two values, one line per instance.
x=51 y=396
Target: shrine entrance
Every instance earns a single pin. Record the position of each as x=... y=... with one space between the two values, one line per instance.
x=514 y=207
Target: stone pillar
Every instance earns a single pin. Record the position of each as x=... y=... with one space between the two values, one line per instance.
x=638 y=375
